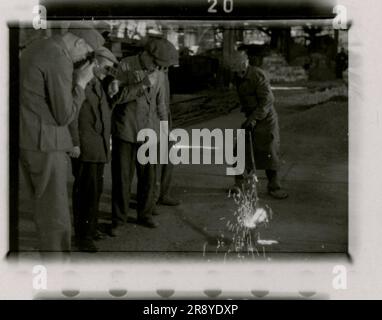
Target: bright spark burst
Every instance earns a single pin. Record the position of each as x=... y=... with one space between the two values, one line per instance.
x=248 y=217
x=251 y=221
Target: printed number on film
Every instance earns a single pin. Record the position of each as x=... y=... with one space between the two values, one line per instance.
x=227 y=6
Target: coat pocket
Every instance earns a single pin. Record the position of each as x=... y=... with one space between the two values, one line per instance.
x=55 y=138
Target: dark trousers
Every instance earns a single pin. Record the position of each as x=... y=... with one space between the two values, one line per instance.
x=87 y=190
x=124 y=161
x=273 y=180
x=164 y=175
x=250 y=166
x=164 y=172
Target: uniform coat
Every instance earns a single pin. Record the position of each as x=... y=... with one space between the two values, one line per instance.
x=256 y=99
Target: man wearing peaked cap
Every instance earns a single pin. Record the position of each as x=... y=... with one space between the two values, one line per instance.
x=163 y=52
x=91 y=137
x=51 y=96
x=165 y=55
x=140 y=104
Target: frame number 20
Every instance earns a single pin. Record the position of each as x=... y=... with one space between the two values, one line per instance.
x=227 y=6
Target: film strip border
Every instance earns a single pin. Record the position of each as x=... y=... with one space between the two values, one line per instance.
x=190 y=9
x=186 y=282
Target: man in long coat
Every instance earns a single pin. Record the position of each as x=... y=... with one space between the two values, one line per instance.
x=50 y=98
x=257 y=103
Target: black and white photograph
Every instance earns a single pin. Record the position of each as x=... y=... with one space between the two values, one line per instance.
x=169 y=136
x=92 y=181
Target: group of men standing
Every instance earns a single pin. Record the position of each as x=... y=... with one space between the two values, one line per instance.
x=75 y=94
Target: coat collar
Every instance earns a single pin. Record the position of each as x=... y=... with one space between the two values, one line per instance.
x=60 y=42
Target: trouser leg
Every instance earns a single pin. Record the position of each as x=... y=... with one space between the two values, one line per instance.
x=88 y=196
x=249 y=162
x=164 y=172
x=47 y=173
x=75 y=197
x=164 y=177
x=146 y=190
x=122 y=165
x=100 y=173
x=273 y=179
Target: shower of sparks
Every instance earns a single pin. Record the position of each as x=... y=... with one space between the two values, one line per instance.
x=247 y=217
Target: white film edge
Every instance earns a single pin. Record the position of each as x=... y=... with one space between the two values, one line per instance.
x=306 y=76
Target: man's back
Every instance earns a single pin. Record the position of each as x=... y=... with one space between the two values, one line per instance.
x=46 y=98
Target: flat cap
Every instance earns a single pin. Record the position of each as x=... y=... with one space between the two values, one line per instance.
x=106 y=53
x=92 y=37
x=163 y=52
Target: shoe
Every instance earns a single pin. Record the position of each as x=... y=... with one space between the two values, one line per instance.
x=148 y=223
x=168 y=201
x=278 y=193
x=155 y=212
x=87 y=246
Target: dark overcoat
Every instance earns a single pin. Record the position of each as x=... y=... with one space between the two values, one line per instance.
x=49 y=102
x=92 y=129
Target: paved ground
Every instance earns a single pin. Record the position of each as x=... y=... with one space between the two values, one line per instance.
x=312 y=220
